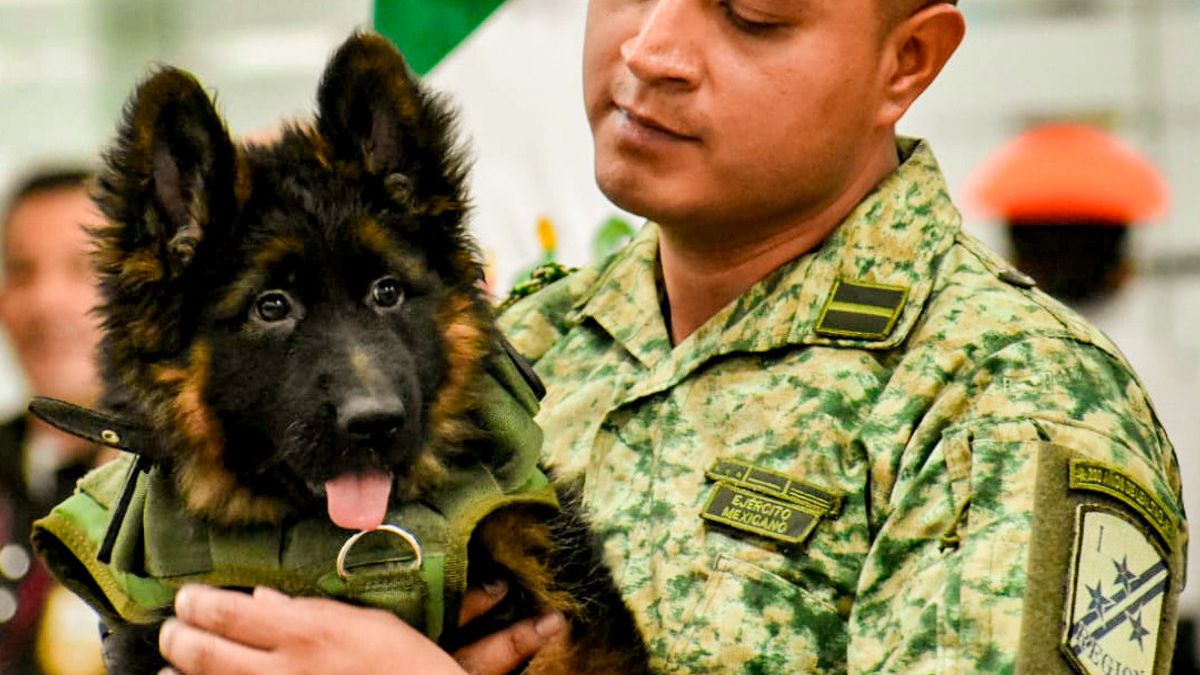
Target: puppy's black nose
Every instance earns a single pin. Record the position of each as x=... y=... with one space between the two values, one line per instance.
x=370 y=420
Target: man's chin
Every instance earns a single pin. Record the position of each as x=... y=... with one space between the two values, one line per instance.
x=644 y=198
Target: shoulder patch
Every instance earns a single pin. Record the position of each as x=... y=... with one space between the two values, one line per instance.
x=1100 y=477
x=1102 y=588
x=1118 y=585
x=860 y=309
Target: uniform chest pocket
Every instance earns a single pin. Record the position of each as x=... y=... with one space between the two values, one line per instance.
x=749 y=620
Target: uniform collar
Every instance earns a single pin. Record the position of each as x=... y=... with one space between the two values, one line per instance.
x=892 y=239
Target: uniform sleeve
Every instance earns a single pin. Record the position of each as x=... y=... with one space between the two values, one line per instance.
x=1033 y=525
x=534 y=322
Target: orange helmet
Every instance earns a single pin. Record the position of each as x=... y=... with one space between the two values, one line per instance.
x=1064 y=173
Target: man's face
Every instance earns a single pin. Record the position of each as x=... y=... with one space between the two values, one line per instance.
x=48 y=292
x=720 y=112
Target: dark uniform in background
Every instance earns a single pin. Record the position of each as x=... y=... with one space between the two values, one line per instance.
x=25 y=586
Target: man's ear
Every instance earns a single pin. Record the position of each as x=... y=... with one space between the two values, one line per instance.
x=916 y=49
x=169 y=177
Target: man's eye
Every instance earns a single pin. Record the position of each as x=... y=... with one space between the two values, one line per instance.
x=743 y=24
x=273 y=306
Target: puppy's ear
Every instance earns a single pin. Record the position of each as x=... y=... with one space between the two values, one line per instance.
x=169 y=178
x=167 y=185
x=374 y=113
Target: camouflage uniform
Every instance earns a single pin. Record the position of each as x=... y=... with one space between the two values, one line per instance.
x=939 y=441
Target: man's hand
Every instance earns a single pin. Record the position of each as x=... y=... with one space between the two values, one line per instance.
x=228 y=632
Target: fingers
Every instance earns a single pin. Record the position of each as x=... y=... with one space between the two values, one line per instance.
x=233 y=633
x=253 y=621
x=228 y=633
x=478 y=601
x=198 y=653
x=502 y=652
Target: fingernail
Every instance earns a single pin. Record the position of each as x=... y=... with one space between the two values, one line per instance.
x=268 y=593
x=167 y=631
x=168 y=671
x=550 y=625
x=496 y=588
x=183 y=600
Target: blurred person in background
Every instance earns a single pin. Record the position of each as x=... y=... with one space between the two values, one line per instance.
x=46 y=295
x=1070 y=195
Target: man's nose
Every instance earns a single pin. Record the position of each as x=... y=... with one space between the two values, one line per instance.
x=666 y=47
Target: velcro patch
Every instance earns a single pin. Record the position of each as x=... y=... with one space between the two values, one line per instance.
x=774 y=484
x=859 y=309
x=1119 y=580
x=1106 y=479
x=766 y=516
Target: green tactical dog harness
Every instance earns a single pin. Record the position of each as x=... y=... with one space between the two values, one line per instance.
x=156 y=546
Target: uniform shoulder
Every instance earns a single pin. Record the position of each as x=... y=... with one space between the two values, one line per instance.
x=979 y=298
x=1021 y=354
x=537 y=312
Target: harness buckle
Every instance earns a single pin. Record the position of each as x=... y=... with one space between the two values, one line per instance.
x=408 y=537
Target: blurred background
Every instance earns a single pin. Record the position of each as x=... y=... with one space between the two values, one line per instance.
x=66 y=67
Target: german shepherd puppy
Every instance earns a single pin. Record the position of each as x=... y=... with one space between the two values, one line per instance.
x=301 y=327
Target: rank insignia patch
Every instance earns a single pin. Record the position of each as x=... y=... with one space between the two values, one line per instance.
x=857 y=309
x=1119 y=580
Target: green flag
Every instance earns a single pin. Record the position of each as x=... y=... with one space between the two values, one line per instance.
x=427 y=30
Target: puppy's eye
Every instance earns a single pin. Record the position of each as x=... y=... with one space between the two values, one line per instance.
x=386 y=292
x=273 y=306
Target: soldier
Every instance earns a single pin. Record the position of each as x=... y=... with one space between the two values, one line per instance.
x=47 y=291
x=820 y=428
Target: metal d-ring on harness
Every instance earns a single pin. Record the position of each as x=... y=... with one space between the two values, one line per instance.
x=409 y=538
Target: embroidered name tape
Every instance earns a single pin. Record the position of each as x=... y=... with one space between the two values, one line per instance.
x=1106 y=479
x=754 y=512
x=859 y=309
x=766 y=503
x=775 y=484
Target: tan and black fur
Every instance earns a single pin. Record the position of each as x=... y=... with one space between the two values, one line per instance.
x=281 y=314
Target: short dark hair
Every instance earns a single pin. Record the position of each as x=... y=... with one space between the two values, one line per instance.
x=894 y=11
x=46 y=180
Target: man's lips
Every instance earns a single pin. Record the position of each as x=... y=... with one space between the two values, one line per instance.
x=653 y=124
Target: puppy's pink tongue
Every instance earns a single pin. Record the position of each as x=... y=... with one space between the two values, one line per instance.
x=358 y=501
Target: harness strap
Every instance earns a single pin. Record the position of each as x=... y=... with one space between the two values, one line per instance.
x=125 y=543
